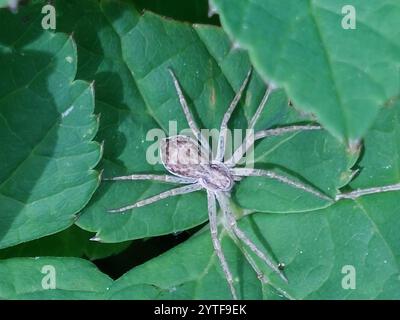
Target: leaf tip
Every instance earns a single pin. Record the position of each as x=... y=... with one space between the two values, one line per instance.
x=235 y=46
x=91 y=86
x=95 y=238
x=102 y=150
x=212 y=10
x=101 y=175
x=354 y=146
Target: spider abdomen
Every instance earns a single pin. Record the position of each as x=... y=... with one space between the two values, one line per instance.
x=183 y=156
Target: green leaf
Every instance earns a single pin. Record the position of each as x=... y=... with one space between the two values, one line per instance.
x=72 y=242
x=29 y=278
x=135 y=94
x=189 y=271
x=128 y=56
x=314 y=246
x=312 y=157
x=342 y=75
x=46 y=128
x=380 y=164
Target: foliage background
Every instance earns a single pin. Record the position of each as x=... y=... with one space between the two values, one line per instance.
x=79 y=100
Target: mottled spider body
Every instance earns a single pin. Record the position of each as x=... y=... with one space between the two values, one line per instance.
x=186 y=158
x=217 y=177
x=191 y=163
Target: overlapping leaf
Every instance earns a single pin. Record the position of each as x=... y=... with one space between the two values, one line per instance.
x=317 y=247
x=46 y=128
x=72 y=242
x=51 y=278
x=313 y=157
x=342 y=75
x=128 y=55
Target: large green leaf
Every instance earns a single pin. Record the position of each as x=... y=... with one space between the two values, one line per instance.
x=135 y=94
x=29 y=278
x=380 y=164
x=342 y=75
x=314 y=246
x=46 y=128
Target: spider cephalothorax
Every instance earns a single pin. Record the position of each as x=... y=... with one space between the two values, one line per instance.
x=186 y=158
x=191 y=163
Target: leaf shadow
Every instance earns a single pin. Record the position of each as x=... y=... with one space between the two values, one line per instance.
x=27 y=120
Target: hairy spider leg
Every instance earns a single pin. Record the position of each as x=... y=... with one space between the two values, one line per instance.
x=248 y=140
x=224 y=124
x=260 y=274
x=282 y=130
x=189 y=117
x=246 y=172
x=163 y=195
x=223 y=202
x=242 y=149
x=262 y=105
x=212 y=214
x=153 y=177
x=362 y=192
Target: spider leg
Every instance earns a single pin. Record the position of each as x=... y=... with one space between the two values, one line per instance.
x=260 y=275
x=362 y=192
x=189 y=117
x=154 y=177
x=222 y=200
x=170 y=193
x=245 y=172
x=261 y=107
x=252 y=123
x=278 y=131
x=249 y=258
x=242 y=149
x=212 y=213
x=227 y=116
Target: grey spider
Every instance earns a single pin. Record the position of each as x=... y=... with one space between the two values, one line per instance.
x=189 y=162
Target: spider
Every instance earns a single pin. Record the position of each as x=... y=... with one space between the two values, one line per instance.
x=188 y=160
